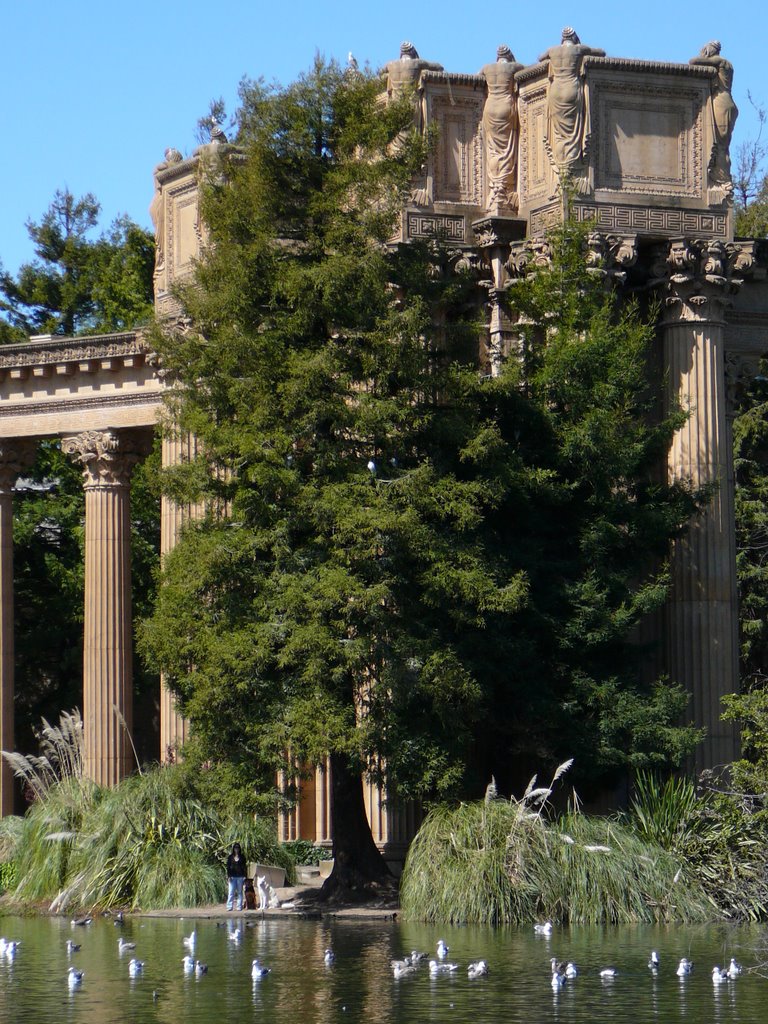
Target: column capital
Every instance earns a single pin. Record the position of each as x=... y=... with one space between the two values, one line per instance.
x=106 y=456
x=16 y=455
x=699 y=277
x=609 y=257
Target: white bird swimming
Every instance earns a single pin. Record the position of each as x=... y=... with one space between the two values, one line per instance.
x=416 y=956
x=189 y=964
x=719 y=975
x=123 y=946
x=200 y=968
x=442 y=949
x=654 y=962
x=258 y=970
x=477 y=969
x=11 y=947
x=684 y=967
x=557 y=981
x=608 y=972
x=329 y=957
x=235 y=936
x=571 y=970
x=734 y=969
x=441 y=968
x=74 y=977
x=73 y=947
x=543 y=929
x=135 y=967
x=189 y=941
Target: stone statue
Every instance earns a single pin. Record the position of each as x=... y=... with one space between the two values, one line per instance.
x=568 y=120
x=724 y=113
x=500 y=127
x=402 y=76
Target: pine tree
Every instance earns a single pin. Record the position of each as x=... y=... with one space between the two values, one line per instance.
x=419 y=568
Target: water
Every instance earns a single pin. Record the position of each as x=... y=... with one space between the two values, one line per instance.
x=359 y=987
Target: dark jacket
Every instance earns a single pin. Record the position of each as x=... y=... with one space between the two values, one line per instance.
x=236 y=868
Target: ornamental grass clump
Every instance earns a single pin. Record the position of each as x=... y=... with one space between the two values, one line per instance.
x=512 y=862
x=149 y=842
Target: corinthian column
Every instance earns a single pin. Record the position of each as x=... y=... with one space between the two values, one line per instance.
x=14 y=457
x=702 y=613
x=107 y=458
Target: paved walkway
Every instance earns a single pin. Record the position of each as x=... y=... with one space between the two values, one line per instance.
x=296 y=901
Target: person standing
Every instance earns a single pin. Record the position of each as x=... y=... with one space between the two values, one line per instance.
x=236 y=872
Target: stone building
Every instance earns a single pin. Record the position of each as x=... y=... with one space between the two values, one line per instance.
x=638 y=149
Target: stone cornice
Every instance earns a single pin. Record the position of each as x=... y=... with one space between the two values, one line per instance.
x=539 y=69
x=453 y=78
x=65 y=350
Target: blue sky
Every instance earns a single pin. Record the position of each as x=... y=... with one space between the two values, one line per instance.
x=95 y=92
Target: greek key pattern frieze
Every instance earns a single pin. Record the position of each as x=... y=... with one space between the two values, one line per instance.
x=653 y=220
x=434 y=225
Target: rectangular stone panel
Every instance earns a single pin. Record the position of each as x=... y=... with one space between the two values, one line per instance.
x=434 y=225
x=648 y=137
x=458 y=161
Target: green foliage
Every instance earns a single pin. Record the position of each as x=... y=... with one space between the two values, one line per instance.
x=149 y=842
x=8 y=876
x=77 y=285
x=302 y=851
x=506 y=862
x=752 y=218
x=722 y=843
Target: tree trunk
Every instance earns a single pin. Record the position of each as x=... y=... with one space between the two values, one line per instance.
x=358 y=866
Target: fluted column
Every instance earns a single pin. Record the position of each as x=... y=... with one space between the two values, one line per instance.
x=107 y=458
x=176 y=450
x=14 y=457
x=702 y=612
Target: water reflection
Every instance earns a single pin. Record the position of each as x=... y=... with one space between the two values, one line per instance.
x=359 y=986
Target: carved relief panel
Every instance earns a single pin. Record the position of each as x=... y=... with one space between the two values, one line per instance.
x=457 y=163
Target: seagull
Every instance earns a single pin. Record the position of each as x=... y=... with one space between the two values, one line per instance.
x=119 y=919
x=571 y=970
x=329 y=957
x=734 y=969
x=608 y=973
x=189 y=940
x=402 y=968
x=684 y=967
x=416 y=956
x=558 y=967
x=74 y=977
x=654 y=963
x=189 y=964
x=200 y=968
x=477 y=969
x=81 y=921
x=719 y=975
x=235 y=936
x=135 y=967
x=73 y=947
x=543 y=929
x=557 y=982
x=10 y=948
x=123 y=946
x=258 y=970
x=444 y=968
x=442 y=949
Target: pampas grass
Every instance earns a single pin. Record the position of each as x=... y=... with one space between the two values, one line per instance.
x=509 y=862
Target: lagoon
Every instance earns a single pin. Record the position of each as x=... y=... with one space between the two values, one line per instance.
x=359 y=988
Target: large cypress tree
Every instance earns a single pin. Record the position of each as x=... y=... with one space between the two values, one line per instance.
x=413 y=567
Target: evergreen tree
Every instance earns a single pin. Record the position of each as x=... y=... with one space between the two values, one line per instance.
x=411 y=566
x=77 y=284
